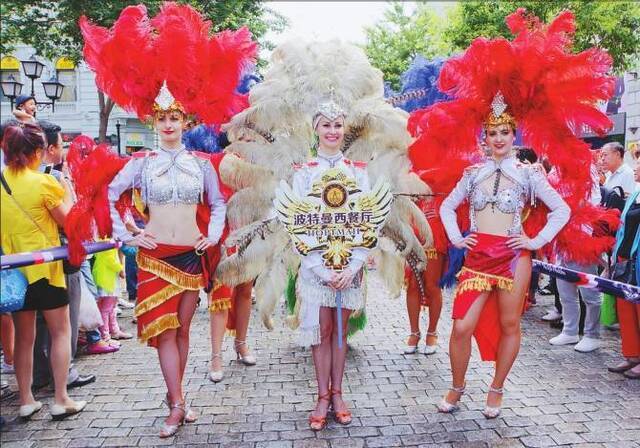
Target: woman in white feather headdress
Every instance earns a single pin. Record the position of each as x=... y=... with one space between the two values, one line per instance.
x=289 y=111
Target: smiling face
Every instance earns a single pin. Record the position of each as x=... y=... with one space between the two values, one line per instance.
x=499 y=139
x=169 y=126
x=29 y=107
x=330 y=133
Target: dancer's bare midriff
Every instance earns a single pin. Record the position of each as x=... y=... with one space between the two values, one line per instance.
x=173 y=224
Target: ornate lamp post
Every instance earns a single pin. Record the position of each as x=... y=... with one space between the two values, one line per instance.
x=11 y=89
x=52 y=89
x=118 y=132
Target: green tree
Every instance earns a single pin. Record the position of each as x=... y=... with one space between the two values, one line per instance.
x=51 y=26
x=612 y=25
x=393 y=42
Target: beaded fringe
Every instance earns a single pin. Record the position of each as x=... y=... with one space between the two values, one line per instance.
x=158 y=326
x=479 y=281
x=157 y=299
x=352 y=298
x=308 y=337
x=431 y=253
x=169 y=273
x=219 y=305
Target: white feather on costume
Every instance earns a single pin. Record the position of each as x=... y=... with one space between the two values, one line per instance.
x=275 y=133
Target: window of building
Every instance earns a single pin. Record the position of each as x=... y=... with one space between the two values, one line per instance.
x=67 y=75
x=9 y=66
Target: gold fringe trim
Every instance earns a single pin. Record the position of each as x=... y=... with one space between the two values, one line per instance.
x=431 y=253
x=169 y=273
x=157 y=299
x=482 y=282
x=158 y=326
x=230 y=332
x=222 y=304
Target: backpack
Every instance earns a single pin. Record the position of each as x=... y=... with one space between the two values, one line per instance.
x=612 y=198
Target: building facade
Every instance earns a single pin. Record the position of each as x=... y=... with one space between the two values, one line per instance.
x=77 y=111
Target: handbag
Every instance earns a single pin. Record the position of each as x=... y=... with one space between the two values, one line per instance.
x=13 y=287
x=625 y=270
x=14 y=283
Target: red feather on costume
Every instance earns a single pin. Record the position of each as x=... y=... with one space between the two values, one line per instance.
x=552 y=94
x=131 y=61
x=134 y=58
x=90 y=217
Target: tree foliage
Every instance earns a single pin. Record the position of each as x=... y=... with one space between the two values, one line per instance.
x=393 y=42
x=51 y=26
x=612 y=25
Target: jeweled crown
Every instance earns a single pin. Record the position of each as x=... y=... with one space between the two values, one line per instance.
x=499 y=114
x=165 y=101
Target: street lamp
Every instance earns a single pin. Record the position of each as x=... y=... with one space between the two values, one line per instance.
x=11 y=89
x=52 y=89
x=33 y=69
x=118 y=132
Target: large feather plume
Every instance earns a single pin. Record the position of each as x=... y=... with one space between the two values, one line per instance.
x=275 y=132
x=138 y=54
x=552 y=94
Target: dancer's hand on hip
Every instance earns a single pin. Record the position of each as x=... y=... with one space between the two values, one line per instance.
x=520 y=242
x=467 y=242
x=143 y=239
x=203 y=244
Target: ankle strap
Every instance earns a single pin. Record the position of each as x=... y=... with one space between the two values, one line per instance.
x=459 y=390
x=239 y=342
x=326 y=396
x=416 y=334
x=179 y=405
x=336 y=392
x=432 y=333
x=496 y=390
x=216 y=355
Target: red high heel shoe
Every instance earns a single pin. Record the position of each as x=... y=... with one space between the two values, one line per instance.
x=343 y=417
x=319 y=423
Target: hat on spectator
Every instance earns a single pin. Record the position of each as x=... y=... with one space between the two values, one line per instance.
x=23 y=99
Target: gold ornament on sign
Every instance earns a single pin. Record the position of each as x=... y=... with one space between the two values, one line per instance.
x=335 y=217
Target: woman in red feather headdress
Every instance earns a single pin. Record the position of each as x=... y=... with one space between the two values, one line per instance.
x=551 y=93
x=164 y=68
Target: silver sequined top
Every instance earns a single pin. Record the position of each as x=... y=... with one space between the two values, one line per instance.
x=169 y=177
x=526 y=183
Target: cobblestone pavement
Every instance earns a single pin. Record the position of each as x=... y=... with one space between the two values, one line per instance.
x=555 y=395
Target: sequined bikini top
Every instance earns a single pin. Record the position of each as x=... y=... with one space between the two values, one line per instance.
x=172 y=177
x=506 y=200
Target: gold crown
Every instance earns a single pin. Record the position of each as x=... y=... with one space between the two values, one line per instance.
x=499 y=114
x=166 y=102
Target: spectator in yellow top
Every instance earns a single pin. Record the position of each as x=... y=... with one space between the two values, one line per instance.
x=33 y=205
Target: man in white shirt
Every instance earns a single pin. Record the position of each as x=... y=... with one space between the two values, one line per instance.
x=620 y=174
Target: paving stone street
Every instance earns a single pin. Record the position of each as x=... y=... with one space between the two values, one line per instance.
x=555 y=396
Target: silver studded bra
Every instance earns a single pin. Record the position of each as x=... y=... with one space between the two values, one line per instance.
x=172 y=178
x=507 y=200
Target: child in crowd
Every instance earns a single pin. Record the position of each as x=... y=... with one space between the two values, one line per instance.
x=107 y=270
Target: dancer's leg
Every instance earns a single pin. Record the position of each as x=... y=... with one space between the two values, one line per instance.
x=188 y=305
x=338 y=357
x=510 y=305
x=460 y=345
x=322 y=359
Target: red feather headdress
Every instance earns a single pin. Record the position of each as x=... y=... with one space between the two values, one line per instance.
x=139 y=56
x=551 y=93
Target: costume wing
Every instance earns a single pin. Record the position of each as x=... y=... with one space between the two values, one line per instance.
x=378 y=201
x=288 y=204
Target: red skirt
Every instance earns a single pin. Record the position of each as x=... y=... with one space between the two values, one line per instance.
x=164 y=274
x=489 y=266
